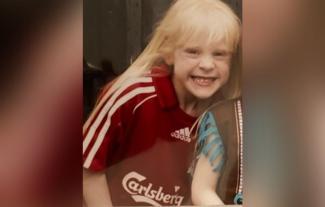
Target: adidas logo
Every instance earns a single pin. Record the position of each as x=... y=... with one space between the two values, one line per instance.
x=182 y=134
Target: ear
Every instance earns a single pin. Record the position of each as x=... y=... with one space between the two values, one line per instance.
x=169 y=59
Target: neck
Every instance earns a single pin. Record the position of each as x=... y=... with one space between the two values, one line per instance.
x=194 y=108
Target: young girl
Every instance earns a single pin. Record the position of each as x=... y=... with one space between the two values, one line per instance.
x=139 y=132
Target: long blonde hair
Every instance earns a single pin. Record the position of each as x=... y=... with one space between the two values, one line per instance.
x=184 y=20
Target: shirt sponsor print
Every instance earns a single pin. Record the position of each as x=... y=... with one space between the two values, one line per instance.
x=148 y=193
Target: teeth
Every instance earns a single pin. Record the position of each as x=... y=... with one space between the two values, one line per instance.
x=203 y=81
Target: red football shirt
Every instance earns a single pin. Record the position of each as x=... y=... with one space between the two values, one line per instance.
x=141 y=137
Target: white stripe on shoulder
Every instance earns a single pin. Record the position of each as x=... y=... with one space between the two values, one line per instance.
x=107 y=107
x=118 y=104
x=125 y=85
x=144 y=100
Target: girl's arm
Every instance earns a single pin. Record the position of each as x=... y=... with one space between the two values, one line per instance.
x=95 y=189
x=204 y=184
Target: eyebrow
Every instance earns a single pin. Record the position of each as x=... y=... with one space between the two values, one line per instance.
x=191 y=46
x=221 y=50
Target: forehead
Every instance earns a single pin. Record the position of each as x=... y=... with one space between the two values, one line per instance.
x=206 y=43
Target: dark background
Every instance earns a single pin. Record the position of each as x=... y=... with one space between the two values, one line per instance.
x=117 y=30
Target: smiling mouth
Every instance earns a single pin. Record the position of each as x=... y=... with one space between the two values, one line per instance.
x=203 y=81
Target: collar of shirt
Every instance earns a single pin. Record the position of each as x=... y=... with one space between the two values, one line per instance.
x=164 y=86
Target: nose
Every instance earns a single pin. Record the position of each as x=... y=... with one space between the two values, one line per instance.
x=206 y=63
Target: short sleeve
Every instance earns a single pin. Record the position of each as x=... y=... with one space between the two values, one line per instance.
x=102 y=139
x=210 y=143
x=105 y=130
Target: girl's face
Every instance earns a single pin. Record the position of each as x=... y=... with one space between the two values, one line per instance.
x=201 y=68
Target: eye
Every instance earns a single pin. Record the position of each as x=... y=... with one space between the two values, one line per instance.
x=222 y=55
x=192 y=51
x=219 y=53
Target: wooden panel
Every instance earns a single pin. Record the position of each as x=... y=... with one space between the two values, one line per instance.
x=91 y=30
x=113 y=33
x=152 y=11
x=133 y=31
x=105 y=33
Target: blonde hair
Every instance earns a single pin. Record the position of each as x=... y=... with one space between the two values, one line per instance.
x=184 y=20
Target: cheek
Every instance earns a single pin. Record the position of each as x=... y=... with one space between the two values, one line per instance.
x=224 y=70
x=179 y=71
x=184 y=66
x=187 y=63
x=225 y=76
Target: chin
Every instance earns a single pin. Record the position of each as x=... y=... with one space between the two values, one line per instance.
x=203 y=95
